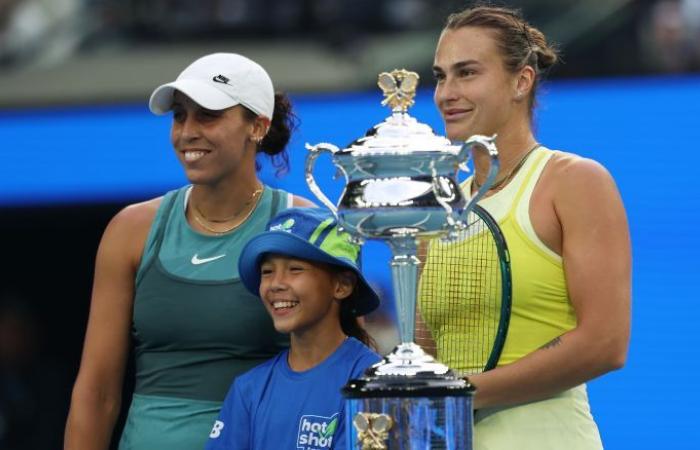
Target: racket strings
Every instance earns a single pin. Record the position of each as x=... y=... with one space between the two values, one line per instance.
x=459 y=294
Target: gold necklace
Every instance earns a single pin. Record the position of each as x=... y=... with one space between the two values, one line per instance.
x=201 y=218
x=236 y=214
x=510 y=175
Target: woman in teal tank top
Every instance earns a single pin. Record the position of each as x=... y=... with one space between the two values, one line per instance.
x=488 y=63
x=166 y=275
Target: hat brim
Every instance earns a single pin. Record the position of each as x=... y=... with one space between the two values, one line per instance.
x=283 y=243
x=203 y=94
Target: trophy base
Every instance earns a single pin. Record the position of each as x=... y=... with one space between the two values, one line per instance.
x=416 y=423
x=409 y=359
x=409 y=402
x=408 y=372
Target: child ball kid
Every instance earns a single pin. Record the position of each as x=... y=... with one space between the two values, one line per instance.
x=306 y=272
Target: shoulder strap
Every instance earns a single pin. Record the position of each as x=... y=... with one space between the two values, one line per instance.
x=534 y=169
x=167 y=207
x=155 y=236
x=276 y=200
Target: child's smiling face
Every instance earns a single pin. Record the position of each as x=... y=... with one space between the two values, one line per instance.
x=302 y=295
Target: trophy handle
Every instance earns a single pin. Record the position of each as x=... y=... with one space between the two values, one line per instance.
x=452 y=216
x=487 y=144
x=315 y=152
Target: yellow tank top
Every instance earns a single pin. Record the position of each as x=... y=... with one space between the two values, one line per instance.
x=541 y=309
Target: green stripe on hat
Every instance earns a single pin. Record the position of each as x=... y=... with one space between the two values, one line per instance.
x=322 y=226
x=339 y=245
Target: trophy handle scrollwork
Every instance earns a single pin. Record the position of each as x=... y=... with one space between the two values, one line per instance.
x=487 y=144
x=316 y=151
x=452 y=217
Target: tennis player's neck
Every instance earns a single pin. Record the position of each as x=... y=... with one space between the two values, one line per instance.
x=224 y=199
x=307 y=350
x=512 y=147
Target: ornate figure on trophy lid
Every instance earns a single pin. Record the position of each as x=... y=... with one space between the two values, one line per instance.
x=399 y=89
x=401 y=184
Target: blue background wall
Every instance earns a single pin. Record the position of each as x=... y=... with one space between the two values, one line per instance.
x=645 y=131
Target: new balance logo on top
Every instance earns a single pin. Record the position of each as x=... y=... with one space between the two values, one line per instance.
x=216 y=431
x=221 y=79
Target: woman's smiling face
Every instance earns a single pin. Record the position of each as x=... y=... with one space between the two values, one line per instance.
x=211 y=145
x=475 y=94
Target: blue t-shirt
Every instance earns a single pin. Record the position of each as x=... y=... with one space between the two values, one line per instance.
x=273 y=407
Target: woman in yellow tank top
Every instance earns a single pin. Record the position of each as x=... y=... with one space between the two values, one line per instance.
x=567 y=233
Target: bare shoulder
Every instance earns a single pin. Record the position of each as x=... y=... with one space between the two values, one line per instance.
x=128 y=229
x=569 y=168
x=302 y=202
x=582 y=187
x=135 y=217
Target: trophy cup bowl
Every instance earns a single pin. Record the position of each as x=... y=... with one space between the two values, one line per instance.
x=401 y=184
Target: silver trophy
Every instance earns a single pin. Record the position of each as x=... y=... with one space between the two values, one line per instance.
x=401 y=185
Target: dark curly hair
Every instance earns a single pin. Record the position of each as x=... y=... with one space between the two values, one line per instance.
x=282 y=125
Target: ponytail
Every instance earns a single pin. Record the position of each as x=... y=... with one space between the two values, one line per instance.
x=351 y=325
x=282 y=124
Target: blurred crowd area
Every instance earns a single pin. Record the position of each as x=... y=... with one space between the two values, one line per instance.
x=34 y=384
x=598 y=37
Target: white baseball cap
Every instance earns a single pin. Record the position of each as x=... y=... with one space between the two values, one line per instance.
x=219 y=81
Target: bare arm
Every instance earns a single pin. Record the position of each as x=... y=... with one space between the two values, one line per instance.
x=96 y=397
x=424 y=337
x=597 y=263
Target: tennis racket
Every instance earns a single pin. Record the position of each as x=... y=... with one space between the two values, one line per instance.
x=464 y=296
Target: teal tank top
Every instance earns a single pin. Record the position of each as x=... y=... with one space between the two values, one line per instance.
x=195 y=327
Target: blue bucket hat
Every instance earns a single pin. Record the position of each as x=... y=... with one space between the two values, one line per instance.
x=311 y=234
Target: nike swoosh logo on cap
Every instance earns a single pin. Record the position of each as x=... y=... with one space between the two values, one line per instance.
x=197 y=260
x=221 y=79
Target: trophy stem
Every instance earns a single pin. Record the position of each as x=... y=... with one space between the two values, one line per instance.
x=404 y=270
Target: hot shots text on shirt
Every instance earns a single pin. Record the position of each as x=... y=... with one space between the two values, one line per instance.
x=316 y=432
